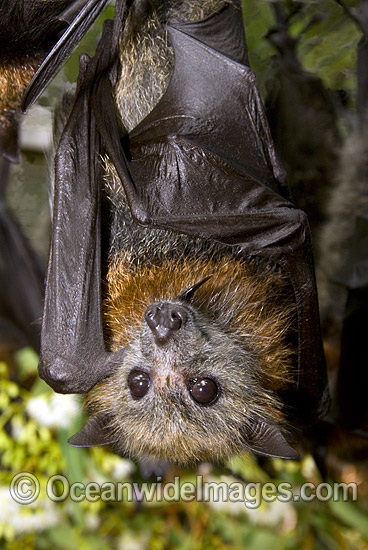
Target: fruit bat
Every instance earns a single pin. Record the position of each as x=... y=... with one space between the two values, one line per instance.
x=36 y=37
x=180 y=295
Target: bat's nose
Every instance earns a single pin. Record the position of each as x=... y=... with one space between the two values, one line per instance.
x=164 y=319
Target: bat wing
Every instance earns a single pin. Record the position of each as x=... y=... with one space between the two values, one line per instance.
x=202 y=163
x=73 y=357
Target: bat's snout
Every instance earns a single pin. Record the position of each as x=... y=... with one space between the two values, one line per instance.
x=164 y=319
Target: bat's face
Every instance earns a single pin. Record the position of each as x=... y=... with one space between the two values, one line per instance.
x=189 y=389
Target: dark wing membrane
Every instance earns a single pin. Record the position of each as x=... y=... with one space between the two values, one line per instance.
x=73 y=357
x=222 y=31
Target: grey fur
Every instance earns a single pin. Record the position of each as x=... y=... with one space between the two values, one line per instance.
x=167 y=422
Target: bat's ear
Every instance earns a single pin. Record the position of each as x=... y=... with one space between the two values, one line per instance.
x=94 y=434
x=187 y=295
x=267 y=440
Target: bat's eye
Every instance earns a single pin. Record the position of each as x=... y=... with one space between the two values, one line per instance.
x=203 y=390
x=139 y=383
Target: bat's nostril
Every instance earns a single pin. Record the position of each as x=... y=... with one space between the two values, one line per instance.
x=165 y=318
x=153 y=317
x=175 y=317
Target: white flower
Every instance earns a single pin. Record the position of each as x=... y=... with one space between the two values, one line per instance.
x=17 y=428
x=273 y=514
x=55 y=412
x=256 y=509
x=308 y=467
x=34 y=517
x=132 y=541
x=122 y=469
x=92 y=521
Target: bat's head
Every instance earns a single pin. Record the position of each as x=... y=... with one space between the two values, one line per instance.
x=192 y=383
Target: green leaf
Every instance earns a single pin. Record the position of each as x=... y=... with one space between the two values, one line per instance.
x=350 y=514
x=27 y=362
x=265 y=539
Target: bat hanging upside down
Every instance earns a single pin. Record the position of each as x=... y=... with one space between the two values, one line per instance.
x=180 y=292
x=203 y=361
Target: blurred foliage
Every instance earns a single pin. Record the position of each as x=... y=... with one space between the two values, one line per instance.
x=328 y=39
x=327 y=48
x=28 y=445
